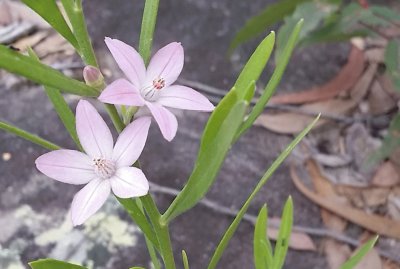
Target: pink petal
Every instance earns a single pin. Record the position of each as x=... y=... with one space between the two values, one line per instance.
x=89 y=199
x=93 y=133
x=165 y=120
x=129 y=182
x=167 y=63
x=68 y=166
x=121 y=92
x=129 y=60
x=184 y=98
x=131 y=142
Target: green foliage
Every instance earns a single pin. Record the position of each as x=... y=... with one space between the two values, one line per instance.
x=263 y=257
x=50 y=12
x=53 y=264
x=392 y=62
x=25 y=66
x=282 y=244
x=262 y=22
x=215 y=143
x=233 y=227
x=185 y=260
x=357 y=257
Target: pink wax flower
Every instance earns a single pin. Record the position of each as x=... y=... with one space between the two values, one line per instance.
x=104 y=167
x=152 y=88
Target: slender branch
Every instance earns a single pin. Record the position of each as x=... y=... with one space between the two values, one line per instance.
x=320 y=232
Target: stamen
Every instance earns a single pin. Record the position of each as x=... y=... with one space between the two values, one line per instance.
x=104 y=168
x=159 y=83
x=152 y=91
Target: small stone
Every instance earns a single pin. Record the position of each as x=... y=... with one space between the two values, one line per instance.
x=6 y=156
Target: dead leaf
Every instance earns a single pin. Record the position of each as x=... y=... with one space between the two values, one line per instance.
x=52 y=44
x=375 y=55
x=361 y=88
x=375 y=196
x=371 y=260
x=298 y=241
x=386 y=175
x=5 y=13
x=387 y=264
x=336 y=253
x=292 y=123
x=30 y=41
x=379 y=100
x=372 y=222
x=394 y=204
x=387 y=85
x=21 y=12
x=344 y=81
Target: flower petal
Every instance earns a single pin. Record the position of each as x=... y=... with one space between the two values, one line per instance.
x=131 y=142
x=68 y=166
x=129 y=60
x=93 y=133
x=121 y=92
x=167 y=63
x=165 y=120
x=183 y=97
x=129 y=182
x=89 y=199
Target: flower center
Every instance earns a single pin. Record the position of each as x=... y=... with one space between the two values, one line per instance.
x=104 y=168
x=151 y=92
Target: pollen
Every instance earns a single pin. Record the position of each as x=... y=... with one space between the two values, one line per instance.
x=159 y=83
x=104 y=168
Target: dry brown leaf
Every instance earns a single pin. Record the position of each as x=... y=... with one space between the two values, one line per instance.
x=379 y=100
x=336 y=253
x=375 y=55
x=375 y=196
x=325 y=189
x=372 y=222
x=386 y=175
x=361 y=88
x=298 y=241
x=394 y=203
x=387 y=264
x=53 y=44
x=30 y=41
x=5 y=13
x=344 y=81
x=291 y=123
x=371 y=260
x=21 y=12
x=387 y=85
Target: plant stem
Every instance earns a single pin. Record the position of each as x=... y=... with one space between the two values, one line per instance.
x=116 y=119
x=28 y=136
x=161 y=230
x=147 y=31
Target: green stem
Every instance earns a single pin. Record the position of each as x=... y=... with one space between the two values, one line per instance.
x=147 y=30
x=28 y=136
x=116 y=119
x=162 y=231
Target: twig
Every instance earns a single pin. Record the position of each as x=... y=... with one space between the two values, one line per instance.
x=321 y=232
x=216 y=95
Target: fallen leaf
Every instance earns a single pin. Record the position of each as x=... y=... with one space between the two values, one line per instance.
x=375 y=55
x=336 y=253
x=360 y=89
x=30 y=41
x=375 y=196
x=394 y=204
x=386 y=175
x=298 y=241
x=380 y=102
x=344 y=81
x=372 y=222
x=387 y=264
x=292 y=123
x=371 y=260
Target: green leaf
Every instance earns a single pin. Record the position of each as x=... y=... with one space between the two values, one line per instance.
x=273 y=82
x=313 y=14
x=262 y=247
x=136 y=267
x=282 y=244
x=215 y=144
x=50 y=12
x=53 y=264
x=249 y=93
x=269 y=16
x=185 y=260
x=64 y=112
x=357 y=257
x=385 y=12
x=25 y=66
x=28 y=136
x=392 y=62
x=255 y=65
x=139 y=218
x=234 y=225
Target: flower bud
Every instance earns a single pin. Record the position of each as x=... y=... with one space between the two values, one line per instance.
x=93 y=76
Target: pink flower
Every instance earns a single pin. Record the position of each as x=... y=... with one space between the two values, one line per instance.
x=153 y=87
x=104 y=167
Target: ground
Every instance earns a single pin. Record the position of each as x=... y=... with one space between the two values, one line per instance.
x=29 y=199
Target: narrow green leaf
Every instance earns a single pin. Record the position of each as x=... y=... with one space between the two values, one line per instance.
x=249 y=93
x=262 y=248
x=385 y=12
x=233 y=227
x=136 y=267
x=392 y=62
x=53 y=264
x=25 y=66
x=215 y=144
x=185 y=260
x=269 y=16
x=147 y=31
x=255 y=65
x=50 y=12
x=28 y=136
x=273 y=82
x=139 y=218
x=64 y=112
x=282 y=244
x=357 y=257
